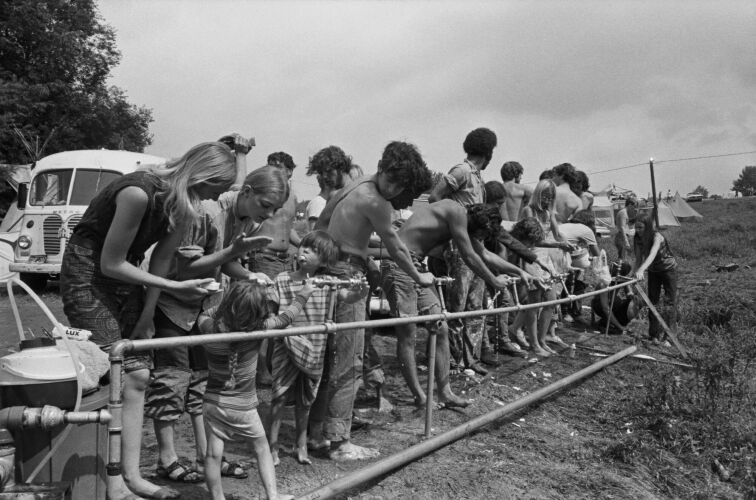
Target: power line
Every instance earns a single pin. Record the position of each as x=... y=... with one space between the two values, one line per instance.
x=656 y=162
x=704 y=157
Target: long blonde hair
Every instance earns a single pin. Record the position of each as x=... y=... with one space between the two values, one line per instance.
x=268 y=180
x=210 y=163
x=544 y=186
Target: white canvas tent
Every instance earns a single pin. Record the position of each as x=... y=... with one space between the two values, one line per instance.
x=681 y=209
x=666 y=216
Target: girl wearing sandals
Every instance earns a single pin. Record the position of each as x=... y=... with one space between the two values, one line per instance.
x=230 y=403
x=102 y=285
x=653 y=254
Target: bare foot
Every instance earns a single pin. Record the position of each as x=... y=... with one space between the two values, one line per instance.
x=274 y=455
x=538 y=351
x=420 y=401
x=318 y=445
x=384 y=405
x=451 y=400
x=551 y=351
x=350 y=451
x=143 y=488
x=302 y=457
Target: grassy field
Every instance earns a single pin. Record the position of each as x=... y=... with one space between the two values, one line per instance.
x=637 y=429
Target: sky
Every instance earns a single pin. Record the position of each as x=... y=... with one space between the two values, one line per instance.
x=599 y=84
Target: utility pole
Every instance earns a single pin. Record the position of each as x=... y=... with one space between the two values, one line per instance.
x=653 y=192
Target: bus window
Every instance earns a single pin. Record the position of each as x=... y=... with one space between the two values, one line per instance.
x=50 y=188
x=90 y=182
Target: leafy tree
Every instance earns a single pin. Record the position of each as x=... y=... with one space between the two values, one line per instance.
x=702 y=191
x=55 y=58
x=745 y=184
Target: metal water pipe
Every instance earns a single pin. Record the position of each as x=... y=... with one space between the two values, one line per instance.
x=421 y=449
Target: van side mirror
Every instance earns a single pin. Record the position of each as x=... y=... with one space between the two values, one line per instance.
x=23 y=191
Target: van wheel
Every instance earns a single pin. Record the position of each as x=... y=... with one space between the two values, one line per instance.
x=36 y=282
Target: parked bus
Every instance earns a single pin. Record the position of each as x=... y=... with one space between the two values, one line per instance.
x=61 y=187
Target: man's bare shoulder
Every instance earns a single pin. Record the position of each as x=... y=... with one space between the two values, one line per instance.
x=448 y=208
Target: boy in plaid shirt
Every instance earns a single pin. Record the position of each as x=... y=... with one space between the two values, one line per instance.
x=296 y=362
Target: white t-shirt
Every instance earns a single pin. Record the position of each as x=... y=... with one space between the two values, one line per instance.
x=578 y=234
x=313 y=210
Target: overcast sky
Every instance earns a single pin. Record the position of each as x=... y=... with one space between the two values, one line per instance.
x=601 y=84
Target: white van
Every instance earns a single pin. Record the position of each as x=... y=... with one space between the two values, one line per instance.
x=61 y=187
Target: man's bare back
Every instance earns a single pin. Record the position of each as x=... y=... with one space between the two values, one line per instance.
x=518 y=195
x=428 y=227
x=567 y=203
x=278 y=227
x=349 y=224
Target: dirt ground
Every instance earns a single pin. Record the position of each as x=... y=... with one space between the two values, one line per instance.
x=555 y=449
x=573 y=445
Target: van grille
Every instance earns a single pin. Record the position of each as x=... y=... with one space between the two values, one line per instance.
x=72 y=222
x=50 y=229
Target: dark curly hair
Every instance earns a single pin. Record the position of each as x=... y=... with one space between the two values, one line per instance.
x=480 y=142
x=483 y=221
x=495 y=193
x=528 y=231
x=402 y=163
x=546 y=174
x=281 y=158
x=511 y=170
x=327 y=159
x=585 y=184
x=567 y=172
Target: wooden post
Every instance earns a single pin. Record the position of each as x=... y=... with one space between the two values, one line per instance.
x=653 y=192
x=652 y=310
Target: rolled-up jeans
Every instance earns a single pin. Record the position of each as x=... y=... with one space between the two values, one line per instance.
x=342 y=373
x=464 y=294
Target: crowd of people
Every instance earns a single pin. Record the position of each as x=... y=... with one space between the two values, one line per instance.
x=210 y=225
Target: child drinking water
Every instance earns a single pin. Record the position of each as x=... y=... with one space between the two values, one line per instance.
x=230 y=402
x=297 y=361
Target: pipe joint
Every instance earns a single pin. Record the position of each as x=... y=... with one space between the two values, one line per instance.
x=120 y=349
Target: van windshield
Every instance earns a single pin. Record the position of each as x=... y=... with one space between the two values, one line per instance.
x=52 y=187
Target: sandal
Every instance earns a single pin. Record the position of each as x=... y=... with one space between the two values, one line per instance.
x=180 y=474
x=232 y=469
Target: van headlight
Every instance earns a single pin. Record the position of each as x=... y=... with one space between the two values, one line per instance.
x=24 y=242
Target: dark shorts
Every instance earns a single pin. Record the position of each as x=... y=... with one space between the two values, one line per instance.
x=107 y=307
x=270 y=263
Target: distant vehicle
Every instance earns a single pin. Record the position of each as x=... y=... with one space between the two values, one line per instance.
x=694 y=197
x=61 y=187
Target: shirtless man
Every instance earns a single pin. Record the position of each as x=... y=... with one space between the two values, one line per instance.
x=518 y=195
x=430 y=228
x=275 y=259
x=331 y=165
x=567 y=202
x=350 y=216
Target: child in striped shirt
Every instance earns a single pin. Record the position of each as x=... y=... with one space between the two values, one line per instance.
x=230 y=402
x=296 y=362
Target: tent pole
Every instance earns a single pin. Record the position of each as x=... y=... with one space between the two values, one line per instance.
x=653 y=191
